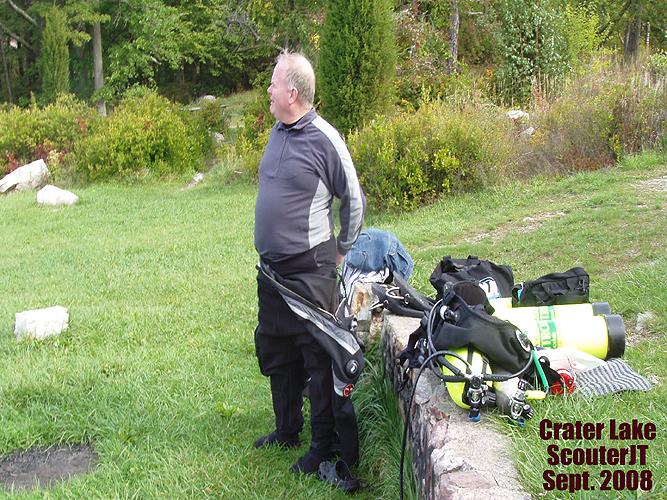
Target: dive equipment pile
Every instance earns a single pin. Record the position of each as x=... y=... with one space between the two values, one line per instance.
x=493 y=343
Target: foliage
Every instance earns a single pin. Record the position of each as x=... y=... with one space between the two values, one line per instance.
x=256 y=126
x=478 y=43
x=657 y=64
x=582 y=34
x=158 y=35
x=357 y=59
x=533 y=47
x=213 y=115
x=413 y=158
x=422 y=55
x=600 y=116
x=54 y=57
x=32 y=133
x=146 y=135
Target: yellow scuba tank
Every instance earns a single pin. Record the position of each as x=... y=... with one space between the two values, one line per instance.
x=504 y=310
x=587 y=327
x=478 y=364
x=602 y=336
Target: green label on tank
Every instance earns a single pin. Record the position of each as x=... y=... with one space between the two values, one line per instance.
x=545 y=313
x=548 y=334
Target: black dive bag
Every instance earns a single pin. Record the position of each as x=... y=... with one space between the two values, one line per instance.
x=570 y=287
x=494 y=279
x=338 y=342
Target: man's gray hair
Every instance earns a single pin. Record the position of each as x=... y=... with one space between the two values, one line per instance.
x=300 y=75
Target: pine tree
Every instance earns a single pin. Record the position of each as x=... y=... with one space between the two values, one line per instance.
x=357 y=60
x=54 y=56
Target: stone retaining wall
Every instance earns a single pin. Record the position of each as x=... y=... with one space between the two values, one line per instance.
x=453 y=458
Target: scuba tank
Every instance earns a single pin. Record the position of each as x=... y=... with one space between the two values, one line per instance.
x=509 y=396
x=504 y=310
x=602 y=336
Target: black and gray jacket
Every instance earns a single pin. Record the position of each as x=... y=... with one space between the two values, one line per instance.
x=303 y=168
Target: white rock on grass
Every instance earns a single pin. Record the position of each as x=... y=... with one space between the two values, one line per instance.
x=643 y=319
x=38 y=324
x=52 y=195
x=517 y=114
x=218 y=138
x=30 y=176
x=528 y=133
x=195 y=180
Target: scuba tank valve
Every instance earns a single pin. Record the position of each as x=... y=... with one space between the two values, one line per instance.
x=476 y=396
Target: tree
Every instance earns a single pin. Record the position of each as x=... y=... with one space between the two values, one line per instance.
x=98 y=70
x=54 y=57
x=357 y=60
x=533 y=47
x=453 y=35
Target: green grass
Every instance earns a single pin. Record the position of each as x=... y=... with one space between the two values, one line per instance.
x=157 y=369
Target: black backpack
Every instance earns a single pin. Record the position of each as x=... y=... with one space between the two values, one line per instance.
x=496 y=280
x=570 y=287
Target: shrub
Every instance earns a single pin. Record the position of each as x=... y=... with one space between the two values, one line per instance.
x=582 y=34
x=423 y=54
x=657 y=64
x=254 y=133
x=599 y=116
x=145 y=135
x=577 y=133
x=32 y=133
x=213 y=115
x=413 y=158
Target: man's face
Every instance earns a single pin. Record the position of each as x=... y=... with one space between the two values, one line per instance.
x=280 y=94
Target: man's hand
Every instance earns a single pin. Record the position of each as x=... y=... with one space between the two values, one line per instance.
x=339 y=259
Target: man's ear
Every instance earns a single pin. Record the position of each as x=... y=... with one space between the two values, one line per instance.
x=293 y=96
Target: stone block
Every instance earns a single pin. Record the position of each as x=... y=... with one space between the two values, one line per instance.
x=54 y=196
x=39 y=324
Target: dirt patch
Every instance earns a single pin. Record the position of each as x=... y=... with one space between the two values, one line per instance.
x=639 y=329
x=44 y=467
x=658 y=184
x=527 y=225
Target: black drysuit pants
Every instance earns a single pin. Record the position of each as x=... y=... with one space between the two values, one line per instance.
x=288 y=354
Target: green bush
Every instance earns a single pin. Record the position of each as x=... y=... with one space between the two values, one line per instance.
x=657 y=64
x=254 y=131
x=533 y=48
x=54 y=57
x=32 y=133
x=213 y=115
x=412 y=158
x=423 y=54
x=146 y=135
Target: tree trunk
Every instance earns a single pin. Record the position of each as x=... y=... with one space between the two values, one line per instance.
x=98 y=69
x=10 y=97
x=633 y=32
x=454 y=22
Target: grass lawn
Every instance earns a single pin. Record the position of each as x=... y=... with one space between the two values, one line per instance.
x=158 y=371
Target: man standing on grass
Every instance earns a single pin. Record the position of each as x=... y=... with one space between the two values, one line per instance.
x=305 y=165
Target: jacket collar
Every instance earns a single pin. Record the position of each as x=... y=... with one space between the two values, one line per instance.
x=302 y=122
